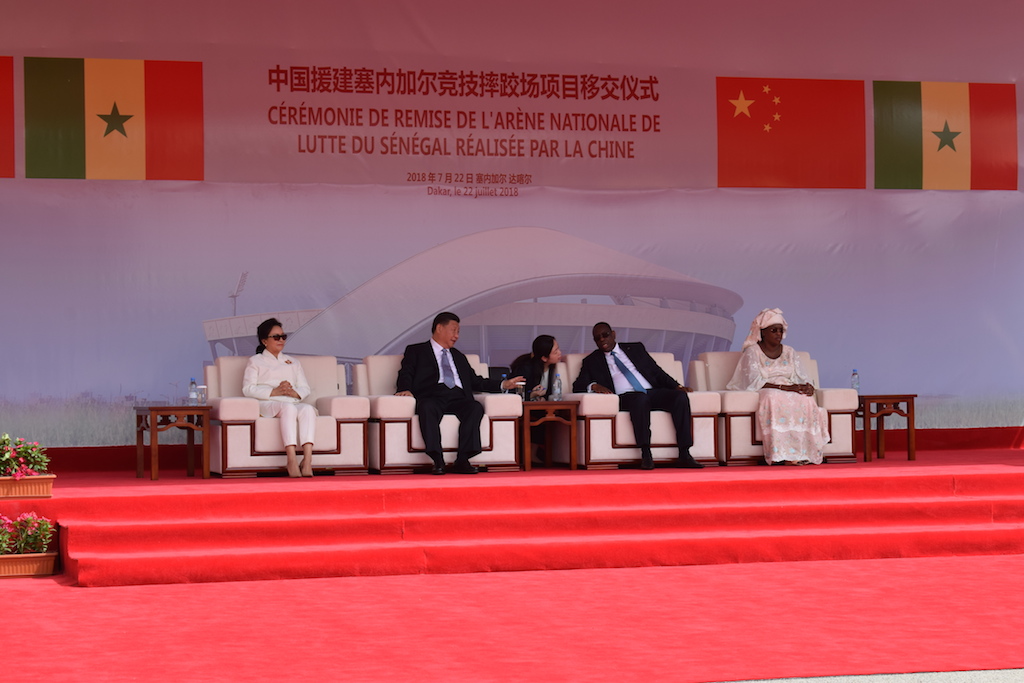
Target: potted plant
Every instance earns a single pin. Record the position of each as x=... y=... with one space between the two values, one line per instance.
x=24 y=543
x=23 y=469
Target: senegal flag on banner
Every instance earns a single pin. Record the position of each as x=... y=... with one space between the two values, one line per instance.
x=945 y=136
x=113 y=118
x=6 y=117
x=791 y=132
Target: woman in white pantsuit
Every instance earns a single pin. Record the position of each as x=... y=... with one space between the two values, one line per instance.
x=277 y=380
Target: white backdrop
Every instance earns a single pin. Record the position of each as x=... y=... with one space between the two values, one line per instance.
x=105 y=284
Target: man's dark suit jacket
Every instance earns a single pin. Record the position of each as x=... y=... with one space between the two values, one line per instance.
x=420 y=375
x=595 y=369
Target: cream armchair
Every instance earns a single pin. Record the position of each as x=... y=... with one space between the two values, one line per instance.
x=396 y=444
x=606 y=434
x=740 y=433
x=244 y=444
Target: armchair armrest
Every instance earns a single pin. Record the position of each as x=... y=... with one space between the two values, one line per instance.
x=234 y=408
x=705 y=402
x=344 y=407
x=501 y=405
x=739 y=401
x=596 y=404
x=389 y=406
x=838 y=399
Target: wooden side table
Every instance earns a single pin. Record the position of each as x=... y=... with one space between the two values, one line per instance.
x=539 y=412
x=156 y=419
x=878 y=406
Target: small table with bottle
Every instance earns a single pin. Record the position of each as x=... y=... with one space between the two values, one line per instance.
x=193 y=417
x=553 y=410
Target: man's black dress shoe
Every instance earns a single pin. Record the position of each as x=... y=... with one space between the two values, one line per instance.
x=646 y=461
x=438 y=463
x=464 y=467
x=687 y=462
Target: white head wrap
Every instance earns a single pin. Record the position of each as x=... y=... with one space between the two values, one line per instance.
x=766 y=318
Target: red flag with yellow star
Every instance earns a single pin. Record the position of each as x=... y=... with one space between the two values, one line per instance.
x=789 y=132
x=6 y=117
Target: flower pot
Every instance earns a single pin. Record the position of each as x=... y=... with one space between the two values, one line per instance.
x=37 y=486
x=34 y=564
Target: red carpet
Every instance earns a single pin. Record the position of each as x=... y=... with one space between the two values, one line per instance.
x=734 y=618
x=120 y=530
x=698 y=623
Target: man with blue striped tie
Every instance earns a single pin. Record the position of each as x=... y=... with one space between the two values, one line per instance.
x=642 y=385
x=443 y=382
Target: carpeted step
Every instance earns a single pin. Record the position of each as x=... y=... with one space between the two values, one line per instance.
x=778 y=485
x=556 y=521
x=222 y=532
x=520 y=554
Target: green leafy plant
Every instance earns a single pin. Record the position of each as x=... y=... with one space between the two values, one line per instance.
x=7 y=533
x=21 y=458
x=29 y=533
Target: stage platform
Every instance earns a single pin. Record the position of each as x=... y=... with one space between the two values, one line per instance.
x=116 y=529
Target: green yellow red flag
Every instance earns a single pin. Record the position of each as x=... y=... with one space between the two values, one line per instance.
x=945 y=136
x=113 y=119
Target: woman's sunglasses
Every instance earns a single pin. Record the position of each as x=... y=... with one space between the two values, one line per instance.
x=278 y=337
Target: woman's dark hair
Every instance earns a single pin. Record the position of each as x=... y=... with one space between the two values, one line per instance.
x=542 y=346
x=263 y=331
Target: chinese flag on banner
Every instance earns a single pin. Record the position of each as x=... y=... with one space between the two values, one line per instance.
x=787 y=132
x=6 y=117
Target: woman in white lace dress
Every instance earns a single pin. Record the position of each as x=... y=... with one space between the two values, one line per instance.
x=794 y=428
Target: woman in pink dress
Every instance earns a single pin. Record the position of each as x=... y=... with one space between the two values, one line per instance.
x=794 y=429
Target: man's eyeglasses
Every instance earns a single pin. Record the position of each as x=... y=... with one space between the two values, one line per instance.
x=278 y=337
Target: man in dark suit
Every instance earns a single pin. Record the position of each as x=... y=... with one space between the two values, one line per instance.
x=628 y=370
x=443 y=382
